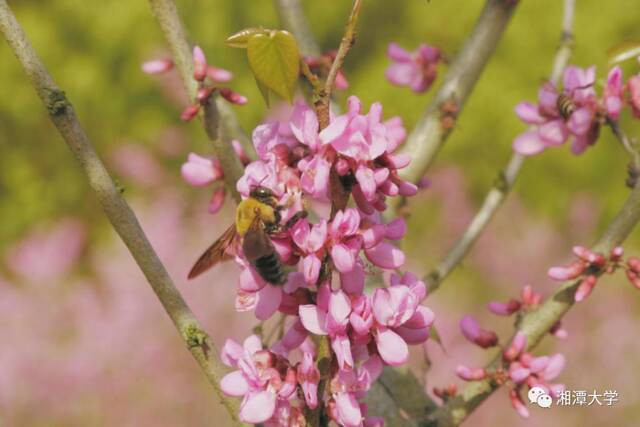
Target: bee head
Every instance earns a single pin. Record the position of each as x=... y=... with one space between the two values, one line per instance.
x=263 y=195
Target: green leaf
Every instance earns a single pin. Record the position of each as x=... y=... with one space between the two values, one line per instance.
x=275 y=61
x=623 y=51
x=264 y=91
x=241 y=38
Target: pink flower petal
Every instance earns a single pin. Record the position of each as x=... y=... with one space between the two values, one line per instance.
x=234 y=384
x=528 y=143
x=269 y=299
x=314 y=320
x=528 y=113
x=385 y=255
x=392 y=348
x=258 y=407
x=347 y=410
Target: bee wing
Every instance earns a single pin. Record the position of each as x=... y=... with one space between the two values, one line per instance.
x=215 y=253
x=256 y=243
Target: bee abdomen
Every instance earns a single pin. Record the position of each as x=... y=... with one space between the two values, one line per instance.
x=565 y=105
x=270 y=269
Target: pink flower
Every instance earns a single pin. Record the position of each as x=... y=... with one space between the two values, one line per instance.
x=504 y=309
x=416 y=70
x=471 y=374
x=309 y=377
x=613 y=93
x=256 y=379
x=310 y=240
x=366 y=145
x=634 y=94
x=347 y=387
x=474 y=333
x=549 y=127
x=157 y=66
x=200 y=171
x=199 y=64
x=218 y=74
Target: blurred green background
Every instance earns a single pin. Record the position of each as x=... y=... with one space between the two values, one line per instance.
x=94 y=51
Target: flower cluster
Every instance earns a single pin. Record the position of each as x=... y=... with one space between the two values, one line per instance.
x=328 y=254
x=519 y=369
x=575 y=112
x=417 y=70
x=207 y=77
x=588 y=266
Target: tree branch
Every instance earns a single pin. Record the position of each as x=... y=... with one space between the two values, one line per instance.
x=292 y=17
x=120 y=215
x=536 y=324
x=629 y=145
x=507 y=176
x=429 y=135
x=349 y=38
x=219 y=131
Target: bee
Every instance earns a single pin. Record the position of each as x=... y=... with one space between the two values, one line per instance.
x=257 y=218
x=565 y=105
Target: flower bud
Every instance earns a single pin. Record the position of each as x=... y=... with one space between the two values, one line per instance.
x=233 y=97
x=585 y=287
x=518 y=344
x=568 y=272
x=190 y=112
x=616 y=253
x=199 y=64
x=470 y=374
x=204 y=93
x=633 y=278
x=219 y=75
x=504 y=309
x=634 y=264
x=157 y=66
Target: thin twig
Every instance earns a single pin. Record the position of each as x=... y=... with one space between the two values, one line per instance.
x=310 y=76
x=628 y=144
x=429 y=134
x=490 y=206
x=349 y=38
x=293 y=18
x=219 y=131
x=507 y=176
x=120 y=215
x=536 y=324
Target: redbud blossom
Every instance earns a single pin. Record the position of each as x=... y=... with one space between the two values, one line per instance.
x=518 y=404
x=190 y=112
x=157 y=66
x=219 y=75
x=634 y=94
x=416 y=69
x=199 y=64
x=585 y=287
x=504 y=309
x=232 y=97
x=470 y=374
x=549 y=127
x=474 y=333
x=613 y=93
x=516 y=347
x=569 y=272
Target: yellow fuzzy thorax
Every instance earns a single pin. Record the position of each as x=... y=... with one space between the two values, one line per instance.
x=247 y=211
